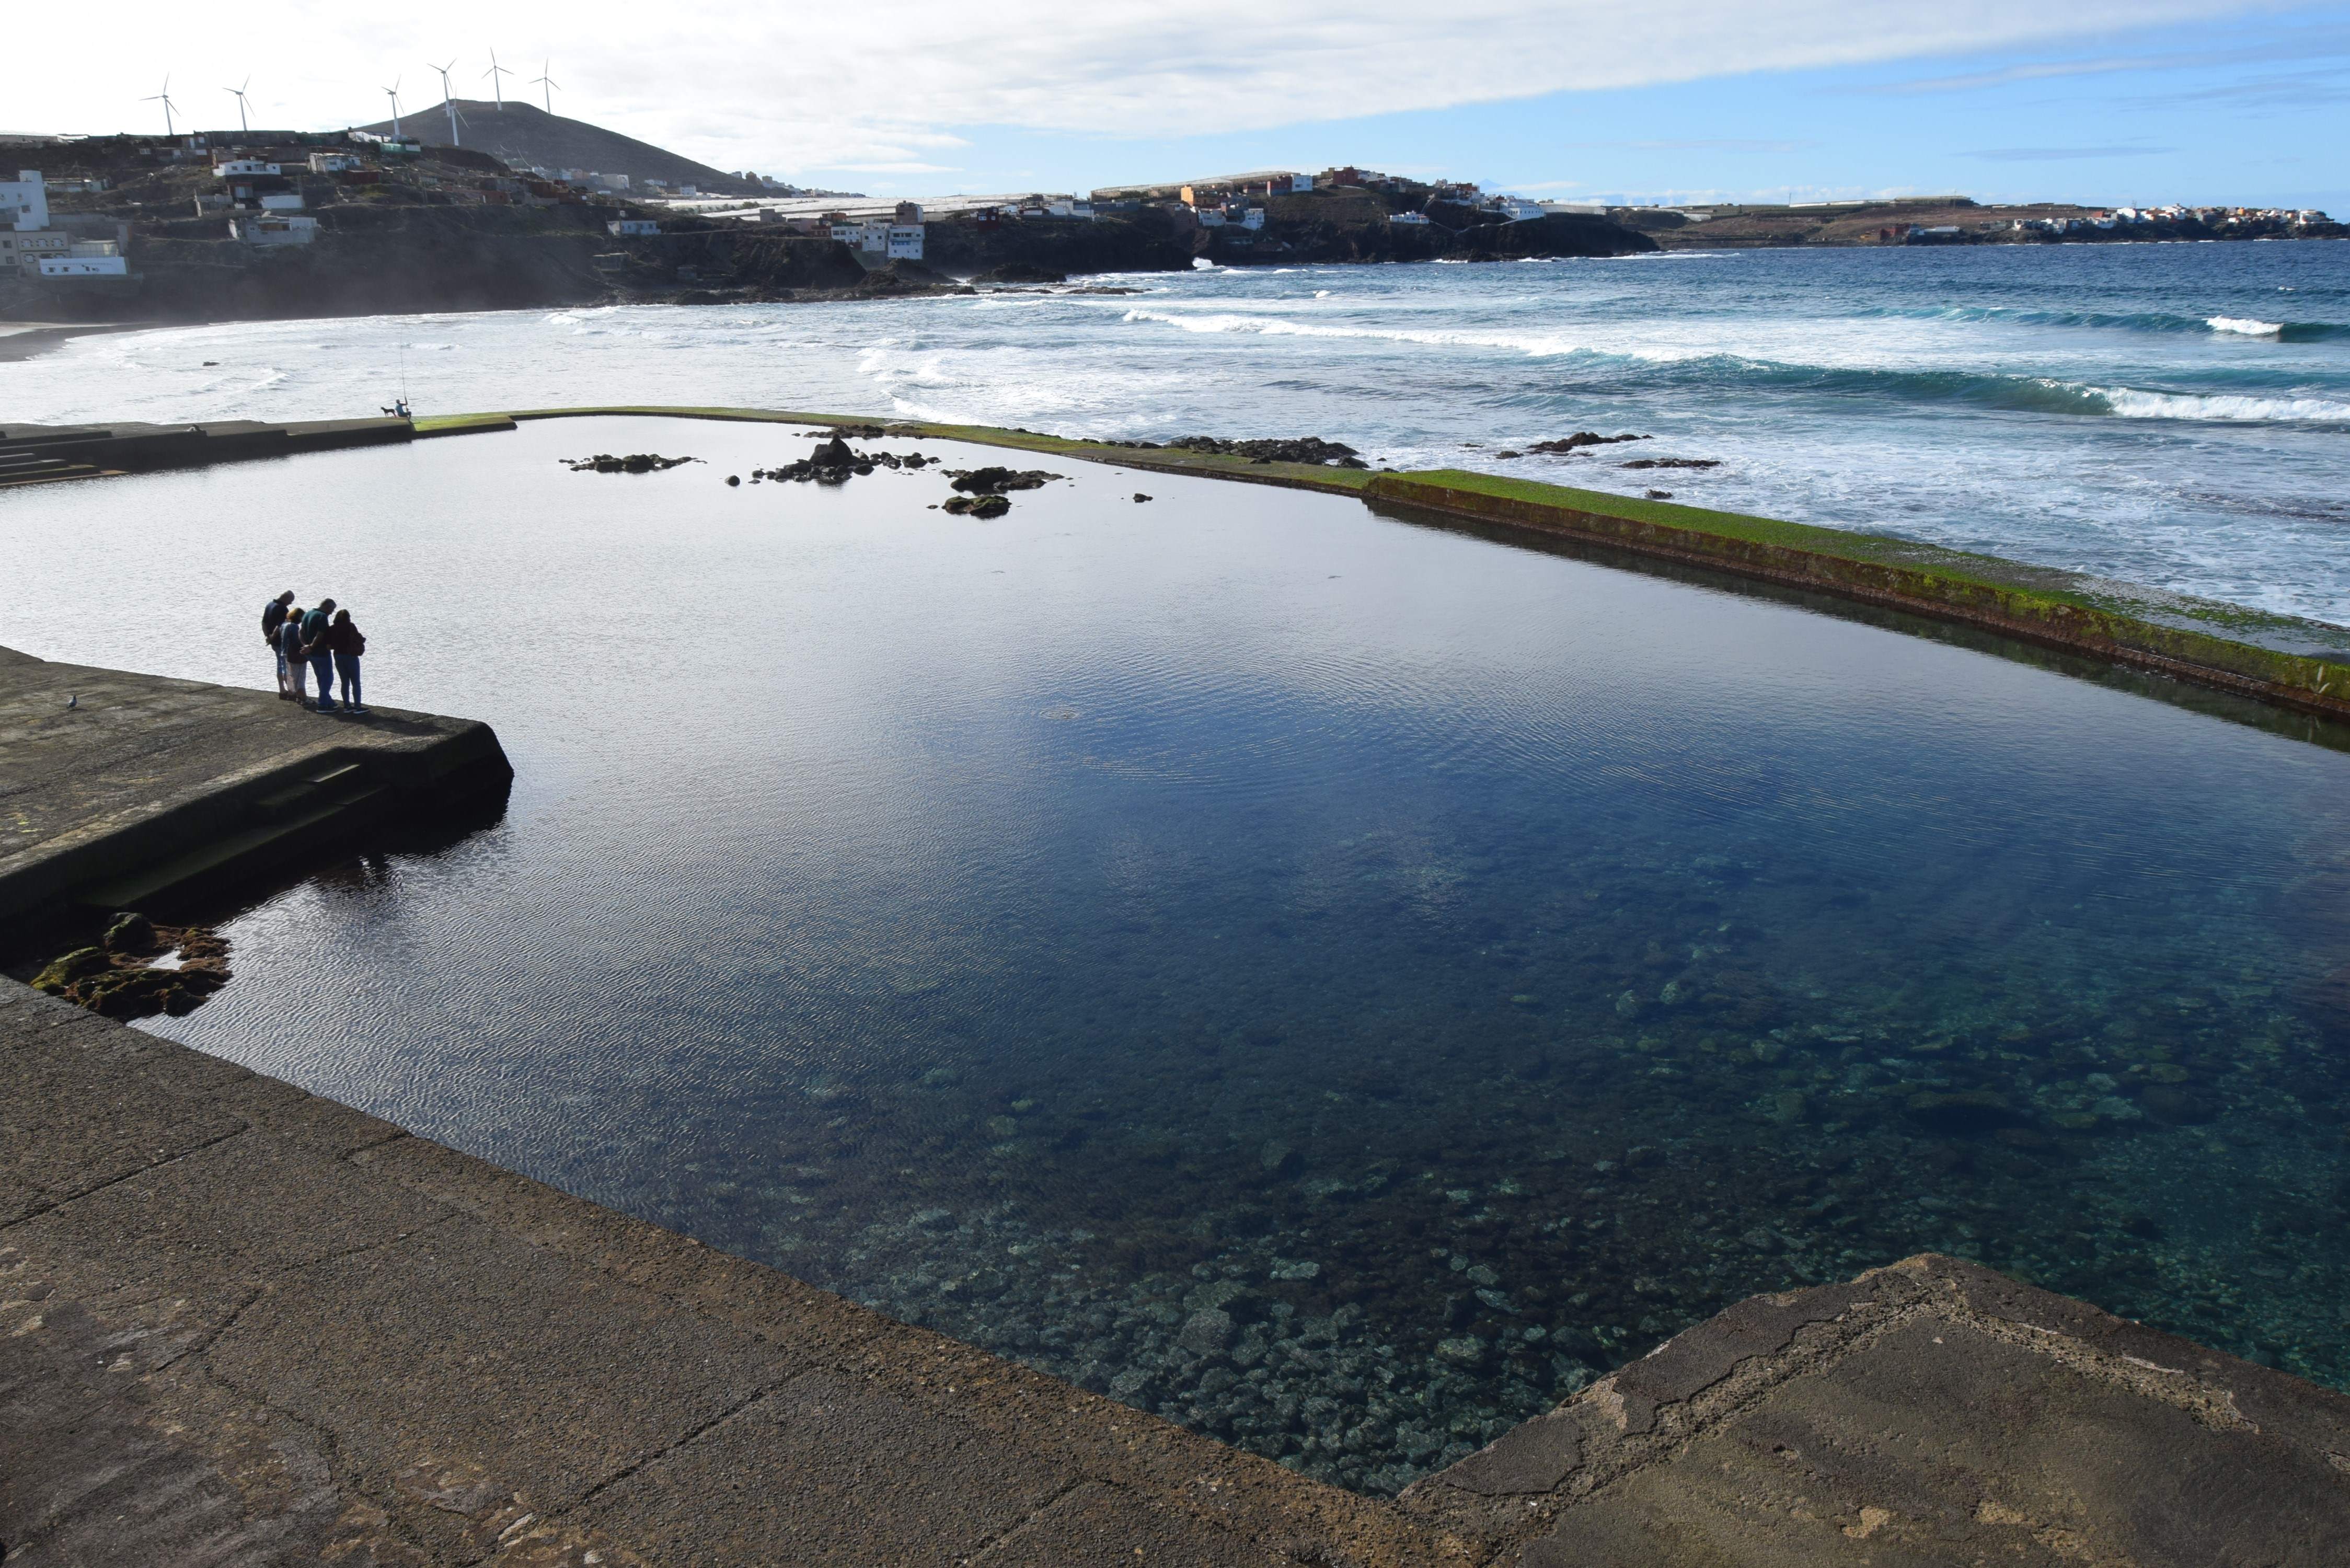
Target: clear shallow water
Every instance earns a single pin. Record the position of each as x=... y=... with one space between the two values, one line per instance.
x=2173 y=415
x=1339 y=983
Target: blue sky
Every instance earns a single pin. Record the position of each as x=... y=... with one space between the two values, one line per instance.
x=2242 y=110
x=2098 y=101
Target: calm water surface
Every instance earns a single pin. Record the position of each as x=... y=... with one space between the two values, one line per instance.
x=1339 y=983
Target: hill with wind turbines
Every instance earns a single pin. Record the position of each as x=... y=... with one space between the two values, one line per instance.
x=526 y=136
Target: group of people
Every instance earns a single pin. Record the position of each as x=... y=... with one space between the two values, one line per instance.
x=323 y=642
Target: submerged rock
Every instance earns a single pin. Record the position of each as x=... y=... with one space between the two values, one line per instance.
x=1673 y=463
x=1207 y=1332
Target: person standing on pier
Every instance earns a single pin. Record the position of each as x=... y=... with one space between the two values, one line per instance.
x=346 y=642
x=292 y=657
x=314 y=649
x=273 y=617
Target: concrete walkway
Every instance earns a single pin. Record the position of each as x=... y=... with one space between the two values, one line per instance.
x=117 y=787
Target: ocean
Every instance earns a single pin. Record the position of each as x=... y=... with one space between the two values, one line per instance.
x=2173 y=415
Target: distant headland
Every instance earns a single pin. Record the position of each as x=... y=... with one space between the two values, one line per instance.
x=477 y=206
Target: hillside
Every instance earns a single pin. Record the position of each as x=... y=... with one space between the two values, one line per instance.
x=526 y=136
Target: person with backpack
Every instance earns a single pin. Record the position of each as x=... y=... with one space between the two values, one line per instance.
x=273 y=616
x=314 y=649
x=291 y=655
x=346 y=642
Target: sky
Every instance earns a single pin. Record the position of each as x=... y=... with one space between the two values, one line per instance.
x=2090 y=100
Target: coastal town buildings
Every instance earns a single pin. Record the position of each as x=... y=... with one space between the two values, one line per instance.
x=24 y=200
x=274 y=230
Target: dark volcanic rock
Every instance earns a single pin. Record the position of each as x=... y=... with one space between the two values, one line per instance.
x=981 y=506
x=1000 y=480
x=1020 y=271
x=118 y=982
x=1673 y=462
x=634 y=463
x=835 y=461
x=1581 y=439
x=1311 y=450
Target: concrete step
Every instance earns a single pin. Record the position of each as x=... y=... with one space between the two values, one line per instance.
x=50 y=473
x=285 y=825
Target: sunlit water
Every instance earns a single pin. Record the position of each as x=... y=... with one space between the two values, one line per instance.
x=2175 y=415
x=1337 y=982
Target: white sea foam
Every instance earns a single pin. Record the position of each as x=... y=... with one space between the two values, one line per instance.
x=2244 y=326
x=2132 y=404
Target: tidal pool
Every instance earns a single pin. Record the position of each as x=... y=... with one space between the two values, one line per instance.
x=1335 y=981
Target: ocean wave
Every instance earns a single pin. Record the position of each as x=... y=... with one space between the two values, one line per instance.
x=2131 y=404
x=1539 y=345
x=2151 y=321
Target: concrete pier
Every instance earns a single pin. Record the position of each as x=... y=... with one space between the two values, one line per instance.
x=118 y=789
x=40 y=454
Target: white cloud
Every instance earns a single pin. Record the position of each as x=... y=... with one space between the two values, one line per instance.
x=794 y=89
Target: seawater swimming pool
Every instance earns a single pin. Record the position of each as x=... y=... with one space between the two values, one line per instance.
x=1335 y=981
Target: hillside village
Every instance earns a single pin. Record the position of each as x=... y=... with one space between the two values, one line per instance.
x=391 y=218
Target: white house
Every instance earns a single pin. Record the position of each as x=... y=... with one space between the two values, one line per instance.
x=1418 y=218
x=85 y=267
x=228 y=168
x=281 y=202
x=1517 y=209
x=87 y=258
x=28 y=248
x=25 y=201
x=1210 y=217
x=274 y=231
x=1252 y=217
x=627 y=227
x=1301 y=183
x=333 y=162
x=905 y=242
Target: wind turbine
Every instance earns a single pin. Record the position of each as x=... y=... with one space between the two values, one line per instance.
x=494 y=73
x=393 y=92
x=239 y=92
x=448 y=102
x=549 y=82
x=164 y=98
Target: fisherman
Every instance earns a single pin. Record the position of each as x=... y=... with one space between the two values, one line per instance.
x=273 y=616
